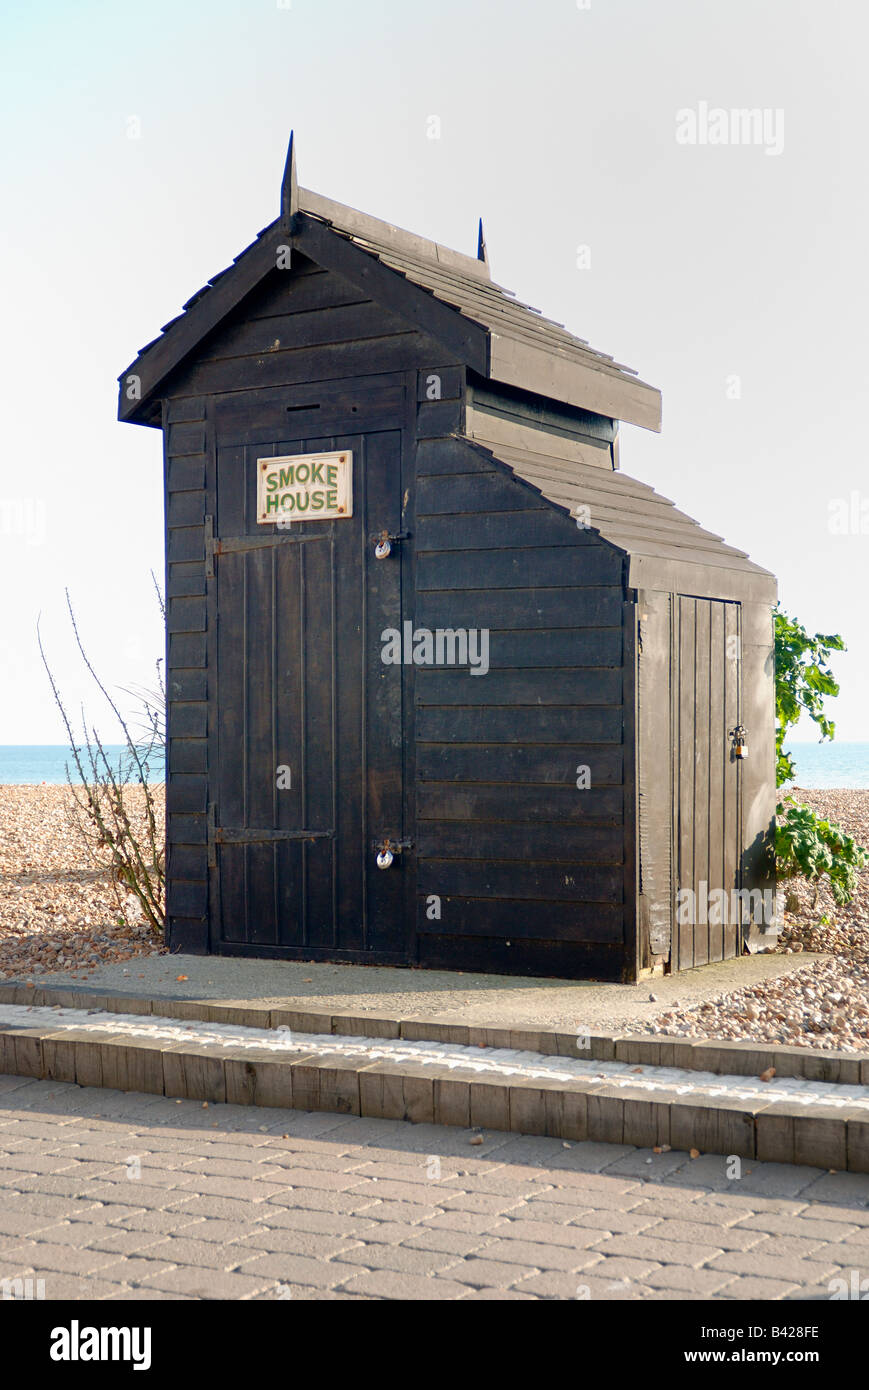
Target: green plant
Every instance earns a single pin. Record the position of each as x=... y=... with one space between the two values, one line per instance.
x=808 y=846
x=803 y=680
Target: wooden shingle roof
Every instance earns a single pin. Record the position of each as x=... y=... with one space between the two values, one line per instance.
x=666 y=548
x=449 y=294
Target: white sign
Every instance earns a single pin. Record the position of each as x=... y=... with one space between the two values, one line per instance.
x=304 y=487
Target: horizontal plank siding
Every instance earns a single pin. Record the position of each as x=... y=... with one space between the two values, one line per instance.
x=519 y=769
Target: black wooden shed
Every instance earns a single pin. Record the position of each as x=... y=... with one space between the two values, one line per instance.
x=445 y=686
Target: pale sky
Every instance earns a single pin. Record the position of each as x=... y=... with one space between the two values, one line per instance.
x=558 y=124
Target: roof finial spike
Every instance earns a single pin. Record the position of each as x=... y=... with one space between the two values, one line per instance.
x=482 y=254
x=289 y=185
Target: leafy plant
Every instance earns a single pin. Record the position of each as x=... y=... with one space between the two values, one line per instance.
x=806 y=845
x=803 y=680
x=809 y=846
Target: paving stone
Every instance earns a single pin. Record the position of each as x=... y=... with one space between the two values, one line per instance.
x=701 y=1233
x=649 y=1247
x=207 y=1283
x=547 y=1233
x=386 y=1283
x=776 y=1224
x=400 y=1258
x=753 y=1262
x=581 y=1286
x=65 y=1259
x=687 y=1280
x=299 y=1269
x=480 y=1272
x=539 y=1254
x=470 y=1221
x=449 y=1242
x=87 y=1235
x=207 y=1254
x=410 y=1213
x=750 y=1289
x=272 y=1241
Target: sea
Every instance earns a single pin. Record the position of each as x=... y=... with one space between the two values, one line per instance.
x=32 y=764
x=818 y=764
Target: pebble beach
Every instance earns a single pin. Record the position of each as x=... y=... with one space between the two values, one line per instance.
x=59 y=912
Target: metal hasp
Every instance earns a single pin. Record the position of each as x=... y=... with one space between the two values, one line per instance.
x=387 y=850
x=384 y=541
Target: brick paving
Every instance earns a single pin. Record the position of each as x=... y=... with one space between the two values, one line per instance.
x=108 y=1195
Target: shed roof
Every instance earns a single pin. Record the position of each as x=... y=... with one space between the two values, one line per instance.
x=486 y=325
x=666 y=549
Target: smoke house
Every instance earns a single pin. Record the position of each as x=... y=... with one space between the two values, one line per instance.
x=364 y=434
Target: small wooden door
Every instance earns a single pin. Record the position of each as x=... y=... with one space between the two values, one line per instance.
x=306 y=721
x=707 y=784
x=689 y=783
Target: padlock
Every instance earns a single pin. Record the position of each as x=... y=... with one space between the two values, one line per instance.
x=383 y=548
x=740 y=741
x=385 y=858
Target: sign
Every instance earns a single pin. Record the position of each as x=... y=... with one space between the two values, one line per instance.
x=305 y=487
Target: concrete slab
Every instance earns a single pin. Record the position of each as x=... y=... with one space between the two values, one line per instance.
x=485 y=1000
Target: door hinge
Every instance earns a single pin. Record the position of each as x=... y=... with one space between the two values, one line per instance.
x=210 y=547
x=212 y=834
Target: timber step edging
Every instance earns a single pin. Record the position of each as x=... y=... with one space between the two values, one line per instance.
x=739 y=1058
x=779 y=1130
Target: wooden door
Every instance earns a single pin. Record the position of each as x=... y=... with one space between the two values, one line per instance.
x=707 y=687
x=306 y=726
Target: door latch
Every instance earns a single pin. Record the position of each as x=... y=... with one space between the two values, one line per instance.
x=387 y=850
x=384 y=541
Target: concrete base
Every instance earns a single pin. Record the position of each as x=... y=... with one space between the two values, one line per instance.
x=498 y=1000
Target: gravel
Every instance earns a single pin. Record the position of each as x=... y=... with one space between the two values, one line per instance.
x=58 y=907
x=825 y=1005
x=58 y=913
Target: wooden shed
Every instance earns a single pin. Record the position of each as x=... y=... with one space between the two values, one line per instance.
x=446 y=688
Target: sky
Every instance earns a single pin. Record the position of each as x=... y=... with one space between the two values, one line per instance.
x=143 y=149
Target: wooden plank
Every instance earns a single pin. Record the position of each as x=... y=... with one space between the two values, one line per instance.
x=566 y=842
x=449 y=801
x=529 y=608
x=188 y=754
x=526 y=724
x=719 y=750
x=186 y=579
x=185 y=474
x=186 y=509
x=186 y=614
x=511 y=918
x=546 y=959
x=395 y=352
x=577 y=568
x=684 y=957
x=590 y=685
x=730 y=811
x=536 y=525
x=547 y=882
x=187 y=649
x=184 y=439
x=188 y=721
x=701 y=779
x=348 y=323
x=506 y=763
